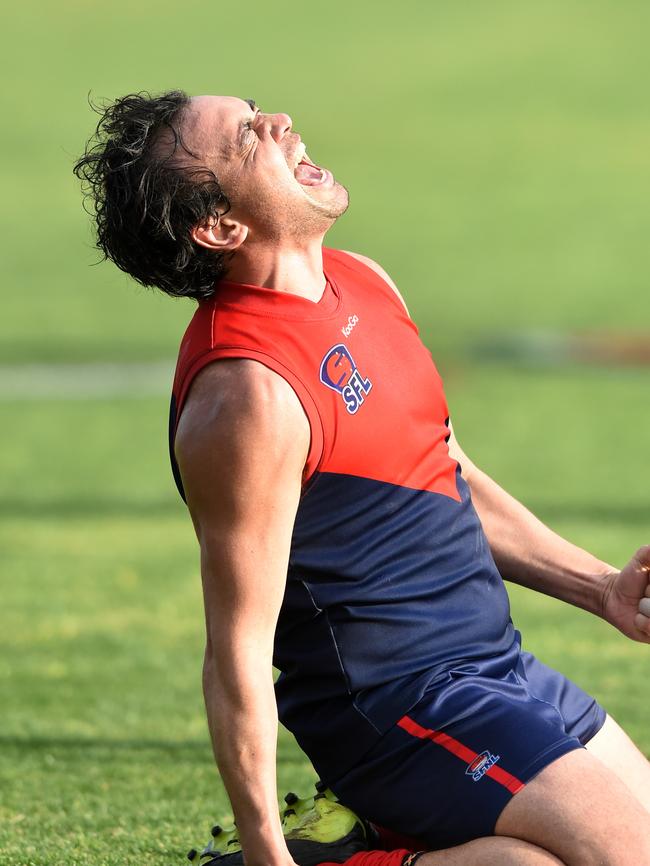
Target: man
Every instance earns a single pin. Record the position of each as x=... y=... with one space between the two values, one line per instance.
x=338 y=536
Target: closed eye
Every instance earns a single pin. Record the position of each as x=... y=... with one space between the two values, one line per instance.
x=245 y=129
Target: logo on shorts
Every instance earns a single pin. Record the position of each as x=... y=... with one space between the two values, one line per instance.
x=481 y=764
x=339 y=372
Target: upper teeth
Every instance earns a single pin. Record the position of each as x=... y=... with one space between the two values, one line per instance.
x=300 y=153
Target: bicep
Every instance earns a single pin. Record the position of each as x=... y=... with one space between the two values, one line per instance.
x=241 y=446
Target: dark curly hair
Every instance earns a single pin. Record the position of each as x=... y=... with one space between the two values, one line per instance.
x=144 y=201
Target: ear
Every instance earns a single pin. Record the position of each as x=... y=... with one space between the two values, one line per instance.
x=220 y=234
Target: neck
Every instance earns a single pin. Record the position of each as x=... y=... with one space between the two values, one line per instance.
x=297 y=268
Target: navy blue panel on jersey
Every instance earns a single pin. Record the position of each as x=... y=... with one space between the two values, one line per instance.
x=388 y=588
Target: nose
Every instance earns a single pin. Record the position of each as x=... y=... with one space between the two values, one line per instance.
x=280 y=125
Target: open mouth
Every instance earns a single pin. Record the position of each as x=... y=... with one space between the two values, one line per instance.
x=308 y=173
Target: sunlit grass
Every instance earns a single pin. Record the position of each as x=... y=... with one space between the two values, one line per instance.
x=498 y=161
x=105 y=753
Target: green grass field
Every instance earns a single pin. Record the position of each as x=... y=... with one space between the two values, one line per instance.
x=499 y=165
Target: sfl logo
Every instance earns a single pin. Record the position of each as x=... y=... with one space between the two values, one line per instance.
x=346 y=330
x=481 y=764
x=339 y=372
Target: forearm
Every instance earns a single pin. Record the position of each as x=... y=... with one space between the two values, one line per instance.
x=529 y=553
x=242 y=717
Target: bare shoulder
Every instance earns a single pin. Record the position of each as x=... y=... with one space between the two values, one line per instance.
x=377 y=268
x=239 y=387
x=240 y=418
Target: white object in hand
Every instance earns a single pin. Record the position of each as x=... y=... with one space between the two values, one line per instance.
x=644 y=606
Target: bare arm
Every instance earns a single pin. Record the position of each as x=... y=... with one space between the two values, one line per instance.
x=241 y=446
x=529 y=553
x=525 y=550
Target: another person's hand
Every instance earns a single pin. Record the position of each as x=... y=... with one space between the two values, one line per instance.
x=626 y=597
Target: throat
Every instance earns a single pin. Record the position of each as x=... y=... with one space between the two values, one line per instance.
x=292 y=271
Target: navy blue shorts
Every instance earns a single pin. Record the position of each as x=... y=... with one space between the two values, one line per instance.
x=444 y=773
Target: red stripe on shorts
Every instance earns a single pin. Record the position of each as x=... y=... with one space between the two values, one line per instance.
x=400 y=857
x=461 y=751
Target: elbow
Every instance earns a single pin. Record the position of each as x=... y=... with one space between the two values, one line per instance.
x=209 y=670
x=213 y=669
x=231 y=671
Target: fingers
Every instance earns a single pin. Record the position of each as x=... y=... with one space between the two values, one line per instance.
x=642 y=556
x=644 y=604
x=642 y=624
x=642 y=618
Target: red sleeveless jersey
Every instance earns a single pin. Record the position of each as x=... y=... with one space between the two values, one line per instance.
x=354 y=360
x=388 y=562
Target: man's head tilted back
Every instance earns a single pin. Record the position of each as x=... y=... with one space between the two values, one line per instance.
x=179 y=185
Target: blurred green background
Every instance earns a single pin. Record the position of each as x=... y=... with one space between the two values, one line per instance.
x=498 y=160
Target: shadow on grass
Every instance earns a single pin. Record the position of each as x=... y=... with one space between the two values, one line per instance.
x=96 y=508
x=195 y=749
x=136 y=744
x=105 y=748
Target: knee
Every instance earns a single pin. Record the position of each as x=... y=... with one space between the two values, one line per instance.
x=583 y=814
x=492 y=851
x=518 y=853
